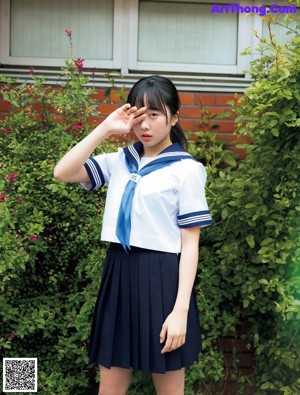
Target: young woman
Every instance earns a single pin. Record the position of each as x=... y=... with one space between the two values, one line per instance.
x=146 y=316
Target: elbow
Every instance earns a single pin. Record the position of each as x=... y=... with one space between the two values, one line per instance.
x=57 y=174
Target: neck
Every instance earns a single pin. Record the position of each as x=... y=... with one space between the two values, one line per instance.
x=151 y=152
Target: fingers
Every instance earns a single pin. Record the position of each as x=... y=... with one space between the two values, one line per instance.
x=125 y=107
x=173 y=332
x=172 y=343
x=137 y=115
x=141 y=110
x=133 y=110
x=163 y=333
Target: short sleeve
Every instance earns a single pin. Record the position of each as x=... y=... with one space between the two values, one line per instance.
x=193 y=208
x=99 y=170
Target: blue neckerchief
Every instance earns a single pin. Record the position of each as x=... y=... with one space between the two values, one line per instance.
x=133 y=153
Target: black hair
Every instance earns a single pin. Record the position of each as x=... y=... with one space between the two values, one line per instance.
x=159 y=93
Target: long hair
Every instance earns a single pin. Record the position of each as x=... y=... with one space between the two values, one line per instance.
x=159 y=93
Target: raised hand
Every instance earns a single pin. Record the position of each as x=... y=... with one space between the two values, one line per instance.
x=71 y=167
x=121 y=120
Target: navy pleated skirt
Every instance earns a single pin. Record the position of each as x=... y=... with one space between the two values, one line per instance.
x=137 y=293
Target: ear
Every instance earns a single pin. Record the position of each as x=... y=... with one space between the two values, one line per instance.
x=175 y=119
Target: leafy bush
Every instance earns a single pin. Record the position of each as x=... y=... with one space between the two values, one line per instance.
x=51 y=258
x=249 y=271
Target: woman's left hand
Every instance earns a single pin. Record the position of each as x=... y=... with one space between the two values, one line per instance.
x=174 y=330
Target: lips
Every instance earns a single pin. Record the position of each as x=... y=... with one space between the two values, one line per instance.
x=146 y=137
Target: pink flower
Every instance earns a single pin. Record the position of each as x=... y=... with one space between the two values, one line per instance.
x=79 y=64
x=31 y=72
x=33 y=237
x=68 y=33
x=78 y=126
x=3 y=197
x=93 y=70
x=7 y=130
x=42 y=118
x=12 y=177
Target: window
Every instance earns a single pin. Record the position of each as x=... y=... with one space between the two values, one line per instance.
x=185 y=33
x=186 y=36
x=36 y=31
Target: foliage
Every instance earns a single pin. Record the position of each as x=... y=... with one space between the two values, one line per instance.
x=51 y=258
x=249 y=271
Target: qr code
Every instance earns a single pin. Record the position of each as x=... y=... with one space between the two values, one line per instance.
x=19 y=374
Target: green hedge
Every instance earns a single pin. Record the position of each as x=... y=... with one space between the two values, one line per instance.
x=252 y=254
x=51 y=257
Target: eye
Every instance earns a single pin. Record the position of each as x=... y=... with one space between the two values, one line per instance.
x=153 y=115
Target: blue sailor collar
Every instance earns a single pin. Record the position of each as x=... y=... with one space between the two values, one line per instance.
x=173 y=152
x=133 y=153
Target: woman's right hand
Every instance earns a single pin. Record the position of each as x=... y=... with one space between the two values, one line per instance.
x=123 y=119
x=71 y=167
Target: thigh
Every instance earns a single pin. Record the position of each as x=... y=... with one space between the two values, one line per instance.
x=114 y=381
x=169 y=383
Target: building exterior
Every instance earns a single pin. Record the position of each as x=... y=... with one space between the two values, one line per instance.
x=197 y=43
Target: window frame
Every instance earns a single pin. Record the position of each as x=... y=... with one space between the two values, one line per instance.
x=6 y=58
x=244 y=40
x=213 y=78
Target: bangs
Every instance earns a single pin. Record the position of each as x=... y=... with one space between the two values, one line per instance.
x=149 y=97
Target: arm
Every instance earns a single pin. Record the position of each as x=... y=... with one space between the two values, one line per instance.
x=174 y=327
x=71 y=167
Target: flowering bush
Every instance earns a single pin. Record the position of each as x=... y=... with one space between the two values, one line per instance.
x=51 y=258
x=49 y=232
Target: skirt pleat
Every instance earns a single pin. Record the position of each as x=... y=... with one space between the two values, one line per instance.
x=137 y=292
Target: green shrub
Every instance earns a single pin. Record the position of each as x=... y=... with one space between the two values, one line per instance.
x=249 y=272
x=51 y=257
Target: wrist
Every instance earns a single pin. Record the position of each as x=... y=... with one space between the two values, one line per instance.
x=181 y=309
x=104 y=129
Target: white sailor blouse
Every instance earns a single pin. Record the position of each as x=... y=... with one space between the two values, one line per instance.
x=165 y=200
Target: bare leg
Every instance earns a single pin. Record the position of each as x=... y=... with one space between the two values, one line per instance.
x=114 y=381
x=170 y=383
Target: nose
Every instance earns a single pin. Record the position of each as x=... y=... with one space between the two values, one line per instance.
x=145 y=124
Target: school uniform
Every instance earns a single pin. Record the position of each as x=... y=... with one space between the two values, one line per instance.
x=140 y=280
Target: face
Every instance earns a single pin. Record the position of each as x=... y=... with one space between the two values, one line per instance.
x=154 y=131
